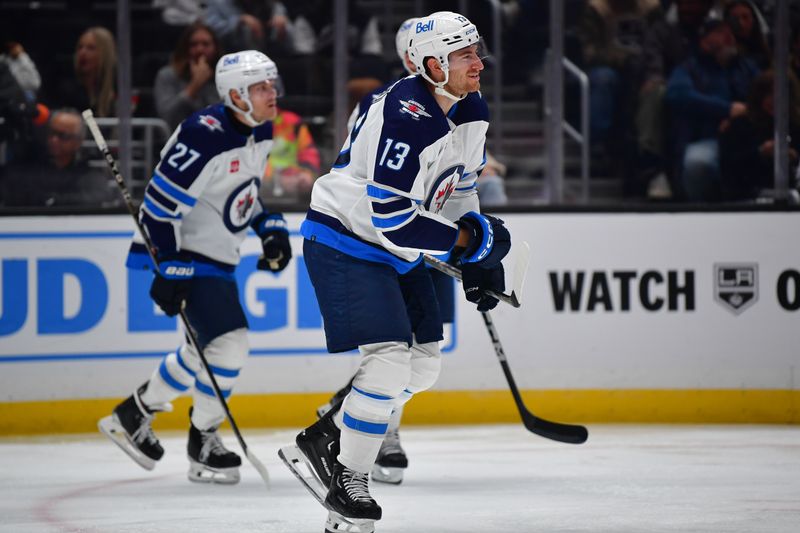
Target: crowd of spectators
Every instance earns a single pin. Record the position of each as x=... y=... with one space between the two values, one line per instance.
x=680 y=103
x=674 y=86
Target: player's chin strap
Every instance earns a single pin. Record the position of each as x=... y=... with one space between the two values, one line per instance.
x=438 y=86
x=248 y=115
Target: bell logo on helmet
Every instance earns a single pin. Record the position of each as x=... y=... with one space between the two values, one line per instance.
x=423 y=27
x=231 y=60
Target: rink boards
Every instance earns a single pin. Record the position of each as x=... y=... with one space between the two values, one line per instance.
x=682 y=317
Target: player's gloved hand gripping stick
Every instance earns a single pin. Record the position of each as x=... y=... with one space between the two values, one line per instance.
x=112 y=164
x=572 y=434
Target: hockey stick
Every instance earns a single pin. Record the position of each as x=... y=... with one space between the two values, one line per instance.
x=512 y=299
x=112 y=164
x=557 y=431
x=568 y=433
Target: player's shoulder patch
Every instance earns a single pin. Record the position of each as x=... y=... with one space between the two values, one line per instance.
x=211 y=122
x=211 y=119
x=209 y=129
x=473 y=108
x=410 y=102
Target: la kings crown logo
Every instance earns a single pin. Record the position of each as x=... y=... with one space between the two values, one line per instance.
x=736 y=285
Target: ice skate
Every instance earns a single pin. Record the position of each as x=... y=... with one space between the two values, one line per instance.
x=351 y=507
x=210 y=461
x=129 y=428
x=336 y=522
x=319 y=443
x=391 y=461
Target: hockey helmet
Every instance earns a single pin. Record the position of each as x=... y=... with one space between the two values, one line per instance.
x=437 y=35
x=401 y=41
x=239 y=71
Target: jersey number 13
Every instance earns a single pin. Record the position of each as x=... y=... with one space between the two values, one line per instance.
x=396 y=159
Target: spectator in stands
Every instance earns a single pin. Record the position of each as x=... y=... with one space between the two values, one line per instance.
x=62 y=178
x=275 y=19
x=666 y=45
x=95 y=63
x=186 y=84
x=311 y=29
x=491 y=187
x=240 y=25
x=747 y=146
x=23 y=69
x=294 y=161
x=744 y=21
x=612 y=33
x=16 y=126
x=703 y=94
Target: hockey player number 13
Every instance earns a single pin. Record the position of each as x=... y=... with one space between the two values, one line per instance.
x=180 y=151
x=396 y=160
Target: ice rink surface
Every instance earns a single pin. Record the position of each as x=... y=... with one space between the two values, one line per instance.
x=687 y=479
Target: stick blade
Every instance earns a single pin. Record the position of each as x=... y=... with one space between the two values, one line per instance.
x=521 y=264
x=258 y=465
x=567 y=433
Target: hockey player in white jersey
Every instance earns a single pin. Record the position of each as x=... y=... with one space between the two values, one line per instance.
x=392 y=461
x=407 y=169
x=197 y=209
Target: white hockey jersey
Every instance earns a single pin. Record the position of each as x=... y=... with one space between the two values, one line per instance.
x=404 y=174
x=204 y=192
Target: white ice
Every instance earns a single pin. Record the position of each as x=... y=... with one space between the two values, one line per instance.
x=688 y=479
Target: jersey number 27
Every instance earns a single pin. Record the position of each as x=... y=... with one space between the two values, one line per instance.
x=180 y=151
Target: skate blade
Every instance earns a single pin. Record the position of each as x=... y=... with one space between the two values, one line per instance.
x=298 y=464
x=200 y=473
x=336 y=523
x=112 y=429
x=387 y=474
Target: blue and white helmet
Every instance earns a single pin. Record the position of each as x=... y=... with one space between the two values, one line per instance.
x=239 y=71
x=401 y=40
x=437 y=35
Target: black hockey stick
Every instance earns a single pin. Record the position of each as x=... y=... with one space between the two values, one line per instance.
x=568 y=433
x=112 y=164
x=571 y=434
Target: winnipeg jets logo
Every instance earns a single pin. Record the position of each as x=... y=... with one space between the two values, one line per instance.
x=413 y=108
x=442 y=195
x=443 y=187
x=240 y=205
x=211 y=123
x=243 y=205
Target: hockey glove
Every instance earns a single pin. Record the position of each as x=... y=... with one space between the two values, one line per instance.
x=275 y=243
x=476 y=280
x=489 y=240
x=171 y=283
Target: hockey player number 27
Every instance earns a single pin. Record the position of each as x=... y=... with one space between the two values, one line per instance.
x=396 y=161
x=180 y=151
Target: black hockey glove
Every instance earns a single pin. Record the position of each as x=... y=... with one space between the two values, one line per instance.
x=476 y=280
x=489 y=240
x=171 y=283
x=275 y=243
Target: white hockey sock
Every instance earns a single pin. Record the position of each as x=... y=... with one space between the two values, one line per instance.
x=364 y=421
x=364 y=416
x=174 y=376
x=226 y=355
x=397 y=415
